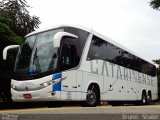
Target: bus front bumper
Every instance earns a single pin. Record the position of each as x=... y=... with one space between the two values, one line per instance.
x=44 y=94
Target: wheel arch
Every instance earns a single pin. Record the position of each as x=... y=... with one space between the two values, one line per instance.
x=92 y=83
x=149 y=92
x=144 y=92
x=97 y=86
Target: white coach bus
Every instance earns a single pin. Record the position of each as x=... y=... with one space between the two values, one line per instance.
x=71 y=63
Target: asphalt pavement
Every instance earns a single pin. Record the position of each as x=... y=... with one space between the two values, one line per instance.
x=151 y=112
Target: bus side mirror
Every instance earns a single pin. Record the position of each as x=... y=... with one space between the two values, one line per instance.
x=5 y=50
x=58 y=37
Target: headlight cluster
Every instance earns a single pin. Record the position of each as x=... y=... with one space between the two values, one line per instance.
x=13 y=86
x=48 y=83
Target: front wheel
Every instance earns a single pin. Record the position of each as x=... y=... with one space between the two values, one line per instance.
x=92 y=98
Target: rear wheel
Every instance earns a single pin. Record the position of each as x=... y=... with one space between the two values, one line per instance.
x=144 y=98
x=149 y=98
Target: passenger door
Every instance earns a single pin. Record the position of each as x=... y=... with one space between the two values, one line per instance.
x=68 y=62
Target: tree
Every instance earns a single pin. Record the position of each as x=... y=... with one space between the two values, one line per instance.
x=15 y=23
x=155 y=4
x=7 y=37
x=16 y=10
x=7 y=34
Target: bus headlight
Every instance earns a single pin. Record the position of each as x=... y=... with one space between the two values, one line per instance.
x=13 y=86
x=48 y=83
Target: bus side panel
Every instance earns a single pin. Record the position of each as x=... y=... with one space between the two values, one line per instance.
x=116 y=86
x=111 y=89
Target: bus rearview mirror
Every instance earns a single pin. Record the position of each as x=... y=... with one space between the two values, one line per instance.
x=5 y=50
x=58 y=37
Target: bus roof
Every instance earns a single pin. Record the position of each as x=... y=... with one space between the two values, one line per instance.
x=53 y=27
x=90 y=31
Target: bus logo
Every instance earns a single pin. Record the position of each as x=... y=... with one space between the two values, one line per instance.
x=26 y=88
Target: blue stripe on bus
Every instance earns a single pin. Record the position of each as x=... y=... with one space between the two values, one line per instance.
x=56 y=76
x=56 y=86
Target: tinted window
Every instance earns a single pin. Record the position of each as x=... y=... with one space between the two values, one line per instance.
x=80 y=41
x=69 y=53
x=147 y=68
x=100 y=49
x=114 y=54
x=97 y=49
x=69 y=58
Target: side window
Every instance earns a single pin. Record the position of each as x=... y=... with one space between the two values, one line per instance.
x=153 y=71
x=80 y=41
x=147 y=68
x=97 y=49
x=100 y=49
x=69 y=56
x=128 y=60
x=114 y=54
x=135 y=63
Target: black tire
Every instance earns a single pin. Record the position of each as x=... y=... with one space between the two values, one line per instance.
x=93 y=97
x=149 y=98
x=144 y=99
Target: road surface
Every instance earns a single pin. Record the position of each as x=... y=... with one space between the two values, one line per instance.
x=151 y=112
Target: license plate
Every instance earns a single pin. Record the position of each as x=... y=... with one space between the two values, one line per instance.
x=27 y=95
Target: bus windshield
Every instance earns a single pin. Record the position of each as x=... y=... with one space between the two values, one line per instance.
x=37 y=54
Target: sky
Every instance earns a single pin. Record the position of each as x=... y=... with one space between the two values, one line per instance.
x=132 y=23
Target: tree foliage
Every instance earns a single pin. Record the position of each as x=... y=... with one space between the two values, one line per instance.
x=16 y=10
x=15 y=23
x=155 y=4
x=8 y=35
